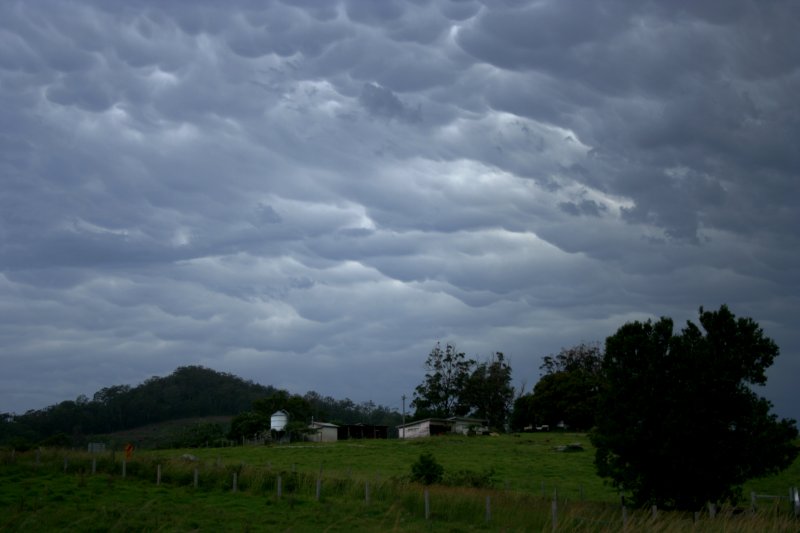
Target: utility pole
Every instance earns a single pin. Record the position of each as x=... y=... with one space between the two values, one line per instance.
x=404 y=415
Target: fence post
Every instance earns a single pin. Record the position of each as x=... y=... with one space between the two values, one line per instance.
x=796 y=503
x=712 y=510
x=624 y=512
x=319 y=486
x=488 y=508
x=279 y=487
x=94 y=465
x=366 y=492
x=654 y=509
x=427 y=505
x=65 y=465
x=235 y=487
x=554 y=513
x=196 y=476
x=753 y=501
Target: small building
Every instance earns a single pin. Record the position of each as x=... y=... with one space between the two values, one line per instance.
x=467 y=426
x=363 y=431
x=323 y=432
x=440 y=426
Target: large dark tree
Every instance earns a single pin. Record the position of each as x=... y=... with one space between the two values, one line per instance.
x=441 y=393
x=679 y=424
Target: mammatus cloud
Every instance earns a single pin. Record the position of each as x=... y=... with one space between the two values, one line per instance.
x=381 y=102
x=312 y=195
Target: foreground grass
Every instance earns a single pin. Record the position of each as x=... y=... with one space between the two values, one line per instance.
x=363 y=487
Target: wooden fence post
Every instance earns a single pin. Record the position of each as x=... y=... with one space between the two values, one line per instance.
x=488 y=508
x=196 y=476
x=279 y=487
x=554 y=513
x=94 y=465
x=753 y=501
x=158 y=475
x=654 y=510
x=235 y=480
x=712 y=510
x=65 y=465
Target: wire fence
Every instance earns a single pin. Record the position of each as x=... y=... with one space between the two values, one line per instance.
x=565 y=511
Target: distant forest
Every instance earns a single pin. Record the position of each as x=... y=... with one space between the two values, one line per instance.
x=189 y=392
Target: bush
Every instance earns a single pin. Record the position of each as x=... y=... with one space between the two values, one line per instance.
x=426 y=470
x=59 y=440
x=470 y=478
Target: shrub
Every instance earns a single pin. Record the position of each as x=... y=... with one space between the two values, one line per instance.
x=470 y=478
x=426 y=470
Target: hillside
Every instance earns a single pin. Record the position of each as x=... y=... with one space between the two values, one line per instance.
x=189 y=392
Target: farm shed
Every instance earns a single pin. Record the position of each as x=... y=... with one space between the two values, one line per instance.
x=323 y=432
x=438 y=426
x=363 y=431
x=464 y=425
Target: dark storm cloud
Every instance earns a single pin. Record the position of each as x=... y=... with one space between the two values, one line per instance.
x=293 y=190
x=382 y=102
x=585 y=207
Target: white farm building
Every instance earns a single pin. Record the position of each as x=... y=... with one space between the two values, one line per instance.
x=439 y=426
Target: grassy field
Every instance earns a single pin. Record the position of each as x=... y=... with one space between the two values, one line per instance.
x=363 y=487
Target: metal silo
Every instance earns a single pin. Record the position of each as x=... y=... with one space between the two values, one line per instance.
x=279 y=420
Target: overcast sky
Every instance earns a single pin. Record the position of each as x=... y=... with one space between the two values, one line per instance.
x=310 y=194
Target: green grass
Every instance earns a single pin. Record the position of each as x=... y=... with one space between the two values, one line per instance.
x=43 y=497
x=525 y=463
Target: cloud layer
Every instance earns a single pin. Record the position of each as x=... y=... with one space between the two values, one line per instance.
x=310 y=195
